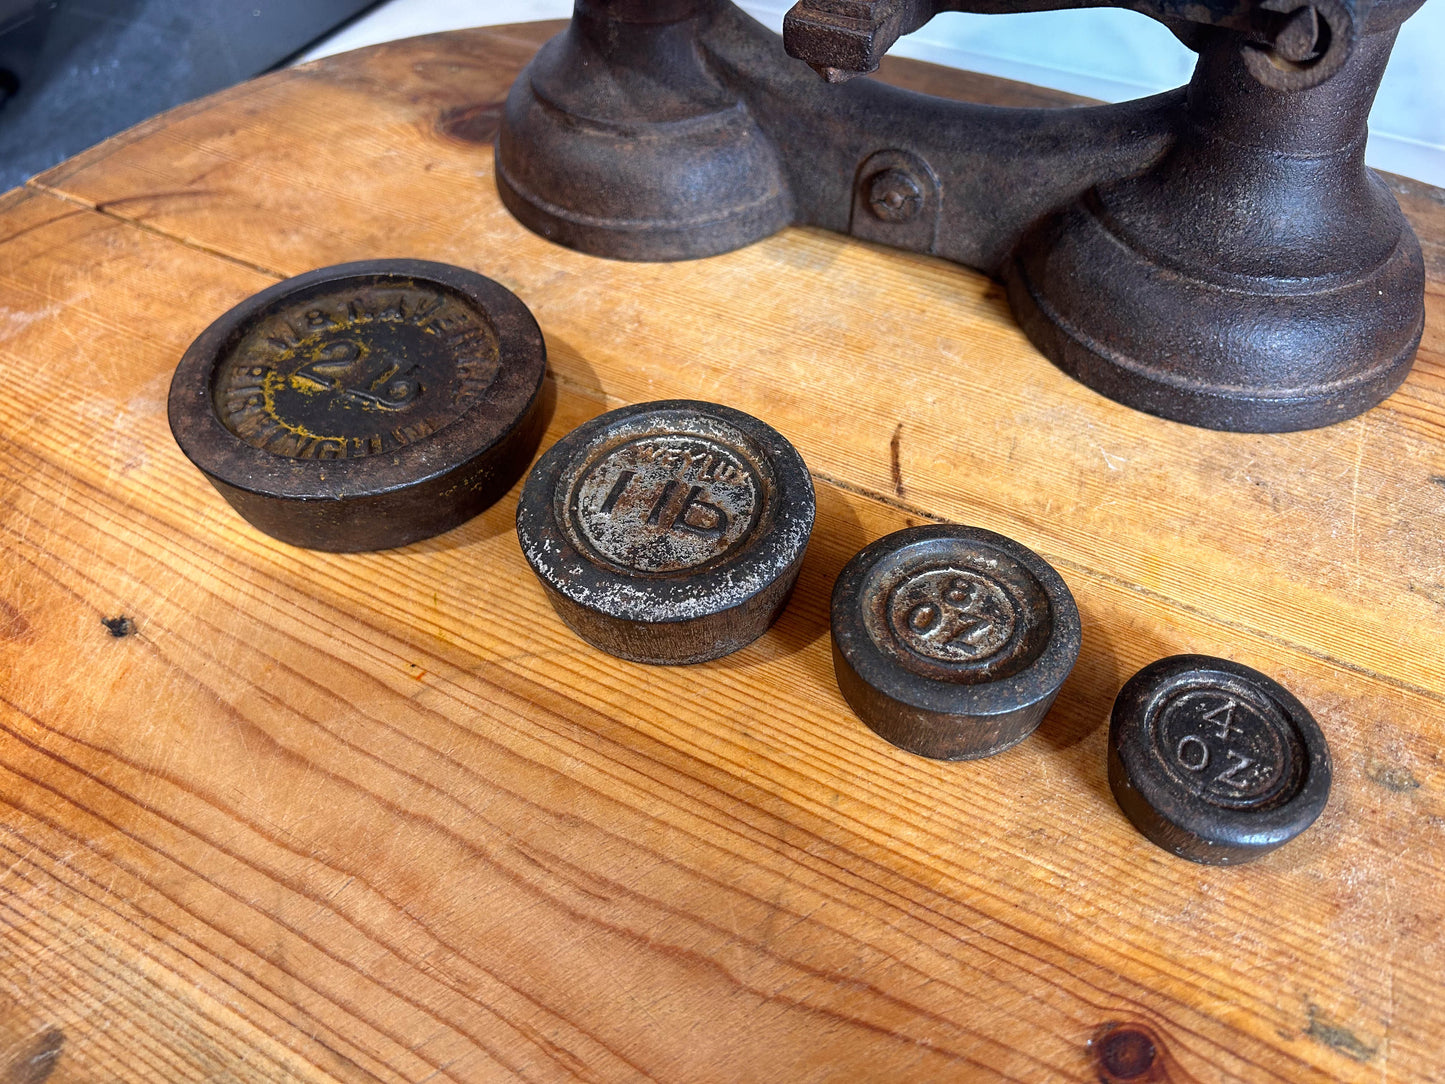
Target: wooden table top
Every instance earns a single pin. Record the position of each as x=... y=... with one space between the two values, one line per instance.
x=381 y=817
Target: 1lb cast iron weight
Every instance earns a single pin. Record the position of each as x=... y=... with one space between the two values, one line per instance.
x=366 y=405
x=952 y=642
x=668 y=532
x=1214 y=761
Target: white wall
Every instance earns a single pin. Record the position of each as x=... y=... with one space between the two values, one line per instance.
x=1103 y=53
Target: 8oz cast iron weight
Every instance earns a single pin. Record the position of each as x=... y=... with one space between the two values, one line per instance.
x=952 y=642
x=668 y=532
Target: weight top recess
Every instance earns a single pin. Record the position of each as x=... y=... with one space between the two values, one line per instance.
x=668 y=532
x=366 y=405
x=951 y=642
x=1214 y=761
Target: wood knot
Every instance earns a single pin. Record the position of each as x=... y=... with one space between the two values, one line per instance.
x=477 y=123
x=13 y=625
x=1127 y=1052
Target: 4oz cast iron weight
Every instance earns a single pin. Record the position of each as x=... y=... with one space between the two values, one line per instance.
x=1214 y=761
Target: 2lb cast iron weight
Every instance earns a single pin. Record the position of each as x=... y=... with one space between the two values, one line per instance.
x=366 y=405
x=668 y=532
x=952 y=642
x=1214 y=761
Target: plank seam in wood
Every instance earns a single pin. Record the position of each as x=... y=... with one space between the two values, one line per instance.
x=1166 y=600
x=36 y=185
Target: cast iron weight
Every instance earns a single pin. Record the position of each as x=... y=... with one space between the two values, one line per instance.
x=952 y=642
x=668 y=532
x=366 y=405
x=1214 y=761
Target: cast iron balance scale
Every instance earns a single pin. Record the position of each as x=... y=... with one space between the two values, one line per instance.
x=1219 y=254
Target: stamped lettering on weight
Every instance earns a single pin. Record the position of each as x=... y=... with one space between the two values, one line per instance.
x=1224 y=748
x=356 y=373
x=666 y=503
x=952 y=614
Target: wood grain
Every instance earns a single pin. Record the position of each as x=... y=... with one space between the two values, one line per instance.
x=381 y=817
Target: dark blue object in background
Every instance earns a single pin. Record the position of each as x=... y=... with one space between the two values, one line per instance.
x=73 y=72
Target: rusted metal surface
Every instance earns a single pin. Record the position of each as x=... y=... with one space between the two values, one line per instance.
x=1258 y=278
x=1214 y=761
x=952 y=642
x=1285 y=47
x=366 y=405
x=1219 y=254
x=668 y=532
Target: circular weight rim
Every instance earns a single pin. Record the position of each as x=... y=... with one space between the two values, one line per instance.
x=775 y=549
x=1241 y=830
x=1038 y=681
x=222 y=455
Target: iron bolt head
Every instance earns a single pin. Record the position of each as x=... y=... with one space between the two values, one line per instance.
x=895 y=196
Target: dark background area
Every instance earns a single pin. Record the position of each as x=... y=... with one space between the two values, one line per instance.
x=73 y=72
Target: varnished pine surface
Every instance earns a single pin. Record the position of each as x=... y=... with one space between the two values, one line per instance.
x=381 y=817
